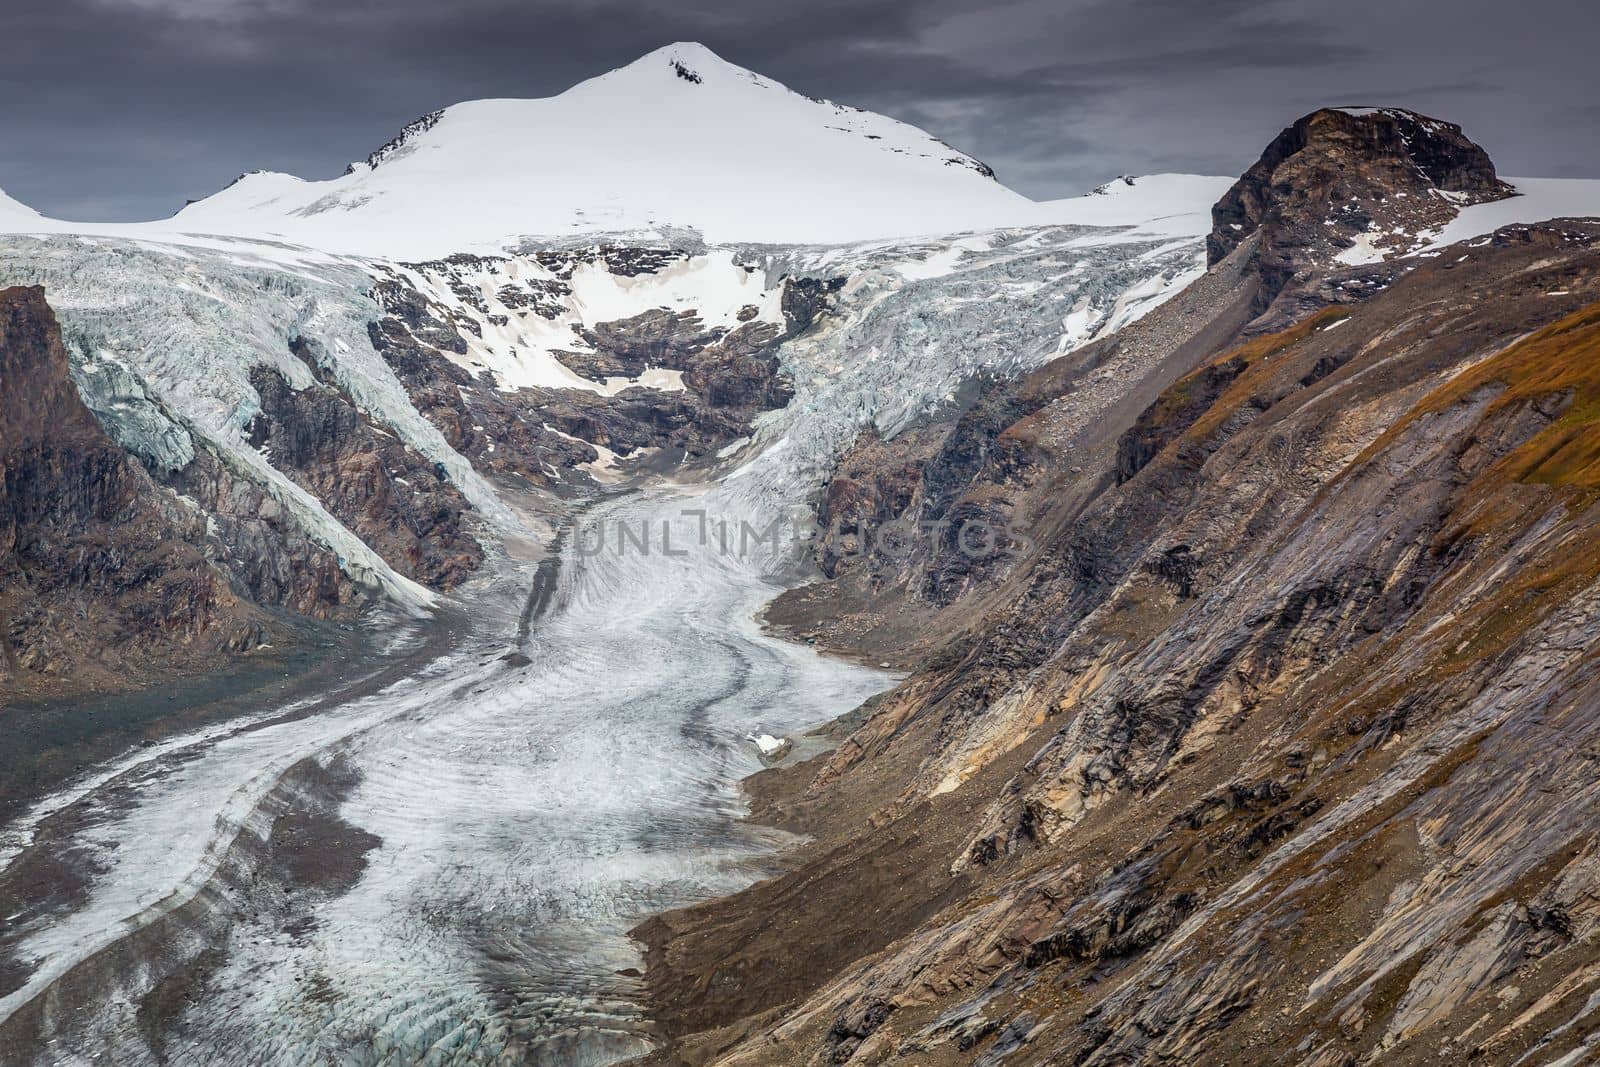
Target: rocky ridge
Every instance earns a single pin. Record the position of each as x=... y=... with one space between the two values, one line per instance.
x=1372 y=181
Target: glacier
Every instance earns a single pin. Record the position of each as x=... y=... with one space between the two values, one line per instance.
x=529 y=800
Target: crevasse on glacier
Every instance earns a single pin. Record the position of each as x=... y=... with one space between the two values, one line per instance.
x=526 y=814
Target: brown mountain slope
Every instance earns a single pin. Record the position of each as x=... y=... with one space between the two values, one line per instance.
x=1278 y=751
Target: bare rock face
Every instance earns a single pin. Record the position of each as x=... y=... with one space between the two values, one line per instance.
x=1278 y=749
x=101 y=571
x=728 y=376
x=394 y=499
x=1343 y=175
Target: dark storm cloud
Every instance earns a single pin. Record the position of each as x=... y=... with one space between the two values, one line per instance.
x=124 y=108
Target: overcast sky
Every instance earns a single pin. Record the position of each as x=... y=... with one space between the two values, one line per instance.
x=123 y=109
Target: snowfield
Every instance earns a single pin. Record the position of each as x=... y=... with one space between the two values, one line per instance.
x=1538 y=200
x=678 y=139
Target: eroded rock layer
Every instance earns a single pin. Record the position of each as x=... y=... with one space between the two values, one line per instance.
x=1275 y=750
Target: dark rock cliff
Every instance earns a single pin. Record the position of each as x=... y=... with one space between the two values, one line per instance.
x=101 y=571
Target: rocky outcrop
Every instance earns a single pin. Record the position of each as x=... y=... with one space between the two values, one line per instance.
x=724 y=377
x=394 y=499
x=1277 y=750
x=733 y=371
x=102 y=572
x=1343 y=176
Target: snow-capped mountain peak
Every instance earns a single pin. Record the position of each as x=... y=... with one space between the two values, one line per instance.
x=679 y=137
x=678 y=140
x=697 y=83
